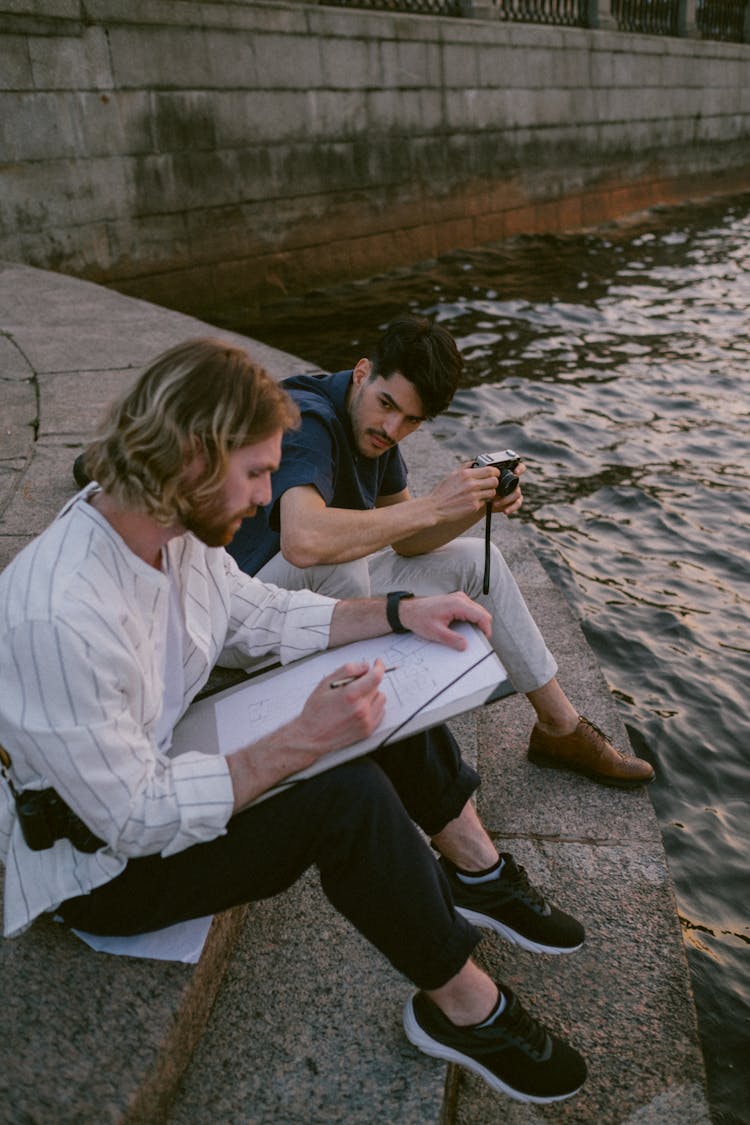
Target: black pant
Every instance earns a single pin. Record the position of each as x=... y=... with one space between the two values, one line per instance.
x=356 y=824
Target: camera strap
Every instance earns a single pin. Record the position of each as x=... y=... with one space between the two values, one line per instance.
x=487 y=544
x=5 y=765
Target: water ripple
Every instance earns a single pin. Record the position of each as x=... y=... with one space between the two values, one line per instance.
x=619 y=365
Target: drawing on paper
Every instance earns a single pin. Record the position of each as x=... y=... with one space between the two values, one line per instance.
x=426 y=676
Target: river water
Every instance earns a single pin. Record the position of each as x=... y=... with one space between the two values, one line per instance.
x=618 y=363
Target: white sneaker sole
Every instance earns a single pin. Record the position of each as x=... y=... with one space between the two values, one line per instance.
x=417 y=1036
x=487 y=923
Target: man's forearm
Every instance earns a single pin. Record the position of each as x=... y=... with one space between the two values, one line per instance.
x=339 y=535
x=314 y=535
x=259 y=767
x=357 y=619
x=433 y=537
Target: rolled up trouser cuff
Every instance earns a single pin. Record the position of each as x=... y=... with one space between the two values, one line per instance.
x=430 y=776
x=448 y=962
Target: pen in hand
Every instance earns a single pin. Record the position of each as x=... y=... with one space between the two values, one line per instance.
x=350 y=679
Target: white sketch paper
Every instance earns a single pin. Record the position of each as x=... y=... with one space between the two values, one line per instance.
x=183 y=941
x=243 y=713
x=430 y=684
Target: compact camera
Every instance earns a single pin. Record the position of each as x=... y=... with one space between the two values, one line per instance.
x=45 y=818
x=506 y=461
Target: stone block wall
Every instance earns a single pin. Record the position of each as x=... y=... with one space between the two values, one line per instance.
x=191 y=152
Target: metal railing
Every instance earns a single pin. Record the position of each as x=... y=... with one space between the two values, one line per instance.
x=570 y=13
x=421 y=7
x=654 y=17
x=713 y=19
x=723 y=19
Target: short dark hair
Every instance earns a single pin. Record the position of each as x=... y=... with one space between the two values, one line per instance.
x=424 y=353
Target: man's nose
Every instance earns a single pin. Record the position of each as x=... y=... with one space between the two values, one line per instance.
x=262 y=492
x=392 y=426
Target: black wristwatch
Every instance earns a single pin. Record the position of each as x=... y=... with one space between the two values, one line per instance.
x=392 y=602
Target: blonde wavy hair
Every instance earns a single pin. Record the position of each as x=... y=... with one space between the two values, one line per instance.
x=203 y=396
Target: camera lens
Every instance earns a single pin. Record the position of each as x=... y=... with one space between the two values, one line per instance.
x=508 y=482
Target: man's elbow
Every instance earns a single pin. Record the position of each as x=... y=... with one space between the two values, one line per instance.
x=405 y=551
x=300 y=553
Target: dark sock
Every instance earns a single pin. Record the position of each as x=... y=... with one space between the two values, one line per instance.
x=485 y=876
x=496 y=1011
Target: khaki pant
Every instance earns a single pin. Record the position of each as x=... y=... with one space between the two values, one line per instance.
x=457 y=566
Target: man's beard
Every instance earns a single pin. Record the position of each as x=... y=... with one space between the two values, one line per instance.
x=388 y=442
x=213 y=529
x=362 y=433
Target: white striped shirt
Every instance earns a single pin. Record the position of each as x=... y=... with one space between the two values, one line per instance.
x=82 y=619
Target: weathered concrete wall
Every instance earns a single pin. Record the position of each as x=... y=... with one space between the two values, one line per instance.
x=192 y=151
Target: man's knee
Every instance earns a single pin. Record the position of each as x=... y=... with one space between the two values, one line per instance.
x=464 y=558
x=458 y=565
x=336 y=580
x=358 y=808
x=343 y=580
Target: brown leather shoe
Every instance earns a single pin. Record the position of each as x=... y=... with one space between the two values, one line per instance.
x=588 y=751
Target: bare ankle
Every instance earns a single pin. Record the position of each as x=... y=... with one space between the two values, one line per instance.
x=558 y=729
x=555 y=714
x=467 y=998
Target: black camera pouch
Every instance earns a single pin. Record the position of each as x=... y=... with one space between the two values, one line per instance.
x=45 y=818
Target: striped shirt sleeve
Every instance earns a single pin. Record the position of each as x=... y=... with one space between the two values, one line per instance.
x=74 y=717
x=266 y=619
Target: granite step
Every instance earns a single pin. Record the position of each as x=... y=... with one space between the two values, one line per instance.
x=290 y=1017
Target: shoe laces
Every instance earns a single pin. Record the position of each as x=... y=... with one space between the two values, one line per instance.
x=601 y=742
x=525 y=1031
x=515 y=876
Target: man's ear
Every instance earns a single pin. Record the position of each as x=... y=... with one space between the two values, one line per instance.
x=361 y=372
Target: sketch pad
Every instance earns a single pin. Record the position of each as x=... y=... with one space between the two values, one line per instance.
x=432 y=683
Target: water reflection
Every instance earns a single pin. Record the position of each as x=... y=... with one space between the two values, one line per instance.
x=618 y=366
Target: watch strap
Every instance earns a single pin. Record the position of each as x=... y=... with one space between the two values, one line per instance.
x=392 y=603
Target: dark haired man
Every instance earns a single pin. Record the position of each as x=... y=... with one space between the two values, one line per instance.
x=110 y=623
x=342 y=521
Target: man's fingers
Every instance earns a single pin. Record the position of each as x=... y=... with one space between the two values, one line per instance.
x=347 y=674
x=451 y=639
x=476 y=615
x=359 y=678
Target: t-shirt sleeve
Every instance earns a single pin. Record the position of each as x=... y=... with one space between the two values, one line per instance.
x=308 y=458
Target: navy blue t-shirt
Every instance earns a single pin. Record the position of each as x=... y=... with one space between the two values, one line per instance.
x=321 y=453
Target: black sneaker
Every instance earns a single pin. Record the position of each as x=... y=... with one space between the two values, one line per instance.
x=515 y=1054
x=515 y=909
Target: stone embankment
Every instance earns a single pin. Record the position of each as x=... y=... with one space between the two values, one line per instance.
x=240 y=150
x=290 y=1017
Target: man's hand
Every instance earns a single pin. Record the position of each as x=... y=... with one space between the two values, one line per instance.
x=509 y=505
x=456 y=504
x=334 y=717
x=464 y=492
x=432 y=617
